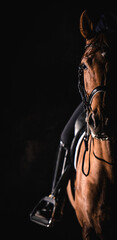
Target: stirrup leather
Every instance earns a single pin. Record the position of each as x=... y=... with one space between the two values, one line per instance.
x=44 y=212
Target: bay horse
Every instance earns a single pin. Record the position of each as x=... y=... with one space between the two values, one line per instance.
x=95 y=200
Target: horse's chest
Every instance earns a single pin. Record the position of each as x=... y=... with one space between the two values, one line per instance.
x=93 y=198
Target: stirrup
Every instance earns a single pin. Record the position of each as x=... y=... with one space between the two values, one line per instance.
x=44 y=212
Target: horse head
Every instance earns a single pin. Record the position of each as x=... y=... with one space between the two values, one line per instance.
x=94 y=78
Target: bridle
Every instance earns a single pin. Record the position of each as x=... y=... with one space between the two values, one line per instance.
x=87 y=101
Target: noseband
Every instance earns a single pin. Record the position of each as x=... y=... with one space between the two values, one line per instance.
x=95 y=91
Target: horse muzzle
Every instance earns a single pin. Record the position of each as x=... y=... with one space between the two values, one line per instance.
x=98 y=124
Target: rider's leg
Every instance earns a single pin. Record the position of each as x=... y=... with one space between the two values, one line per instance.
x=63 y=162
x=49 y=208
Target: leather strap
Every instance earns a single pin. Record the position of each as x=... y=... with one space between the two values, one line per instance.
x=95 y=91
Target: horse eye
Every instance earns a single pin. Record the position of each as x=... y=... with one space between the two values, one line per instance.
x=84 y=67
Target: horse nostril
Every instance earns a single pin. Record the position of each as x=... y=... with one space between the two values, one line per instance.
x=92 y=120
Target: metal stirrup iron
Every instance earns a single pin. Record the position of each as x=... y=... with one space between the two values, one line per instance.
x=47 y=211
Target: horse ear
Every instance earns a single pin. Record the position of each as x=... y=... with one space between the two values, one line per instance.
x=86 y=26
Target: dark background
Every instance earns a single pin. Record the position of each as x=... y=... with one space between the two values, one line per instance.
x=39 y=97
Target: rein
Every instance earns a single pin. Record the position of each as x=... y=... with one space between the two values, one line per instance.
x=83 y=161
x=98 y=158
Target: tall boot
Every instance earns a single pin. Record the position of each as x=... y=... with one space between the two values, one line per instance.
x=50 y=208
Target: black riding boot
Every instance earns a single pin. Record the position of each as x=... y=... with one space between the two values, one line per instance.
x=50 y=208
